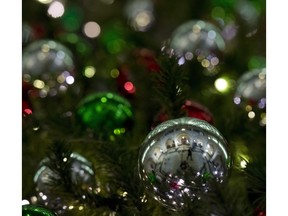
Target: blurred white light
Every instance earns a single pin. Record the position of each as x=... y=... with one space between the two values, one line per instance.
x=25 y=202
x=251 y=114
x=143 y=19
x=237 y=100
x=70 y=80
x=56 y=9
x=221 y=84
x=92 y=29
x=181 y=61
x=38 y=84
x=243 y=164
x=45 y=1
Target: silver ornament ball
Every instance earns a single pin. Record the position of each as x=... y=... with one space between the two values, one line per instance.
x=82 y=174
x=49 y=66
x=179 y=159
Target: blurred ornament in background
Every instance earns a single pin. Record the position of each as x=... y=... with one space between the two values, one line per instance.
x=200 y=40
x=259 y=212
x=147 y=58
x=28 y=92
x=34 y=210
x=180 y=159
x=191 y=109
x=77 y=44
x=140 y=14
x=125 y=83
x=106 y=113
x=82 y=175
x=249 y=15
x=49 y=66
x=256 y=62
x=251 y=88
x=227 y=22
x=251 y=94
x=113 y=37
x=27 y=34
x=32 y=31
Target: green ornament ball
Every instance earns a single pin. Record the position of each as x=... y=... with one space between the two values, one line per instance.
x=106 y=113
x=33 y=210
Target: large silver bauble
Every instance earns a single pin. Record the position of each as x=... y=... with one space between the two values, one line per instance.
x=180 y=158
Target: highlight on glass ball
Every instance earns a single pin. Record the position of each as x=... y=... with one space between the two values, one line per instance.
x=34 y=210
x=106 y=114
x=180 y=158
x=49 y=66
x=200 y=40
x=82 y=175
x=251 y=93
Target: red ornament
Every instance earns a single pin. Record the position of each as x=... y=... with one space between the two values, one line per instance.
x=259 y=212
x=124 y=82
x=196 y=110
x=191 y=109
x=147 y=58
x=28 y=91
x=174 y=185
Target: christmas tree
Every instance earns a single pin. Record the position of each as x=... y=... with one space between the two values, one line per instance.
x=144 y=107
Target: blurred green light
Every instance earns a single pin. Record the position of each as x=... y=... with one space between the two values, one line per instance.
x=117 y=131
x=72 y=18
x=89 y=71
x=257 y=62
x=218 y=12
x=72 y=38
x=114 y=73
x=81 y=47
x=103 y=99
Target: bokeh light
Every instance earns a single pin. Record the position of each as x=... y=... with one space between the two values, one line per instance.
x=92 y=29
x=140 y=14
x=114 y=73
x=129 y=87
x=89 y=71
x=45 y=1
x=221 y=84
x=56 y=9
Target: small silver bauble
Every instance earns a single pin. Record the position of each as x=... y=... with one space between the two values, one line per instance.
x=82 y=174
x=251 y=87
x=49 y=66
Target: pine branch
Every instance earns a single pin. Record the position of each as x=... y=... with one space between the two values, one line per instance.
x=170 y=85
x=255 y=173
